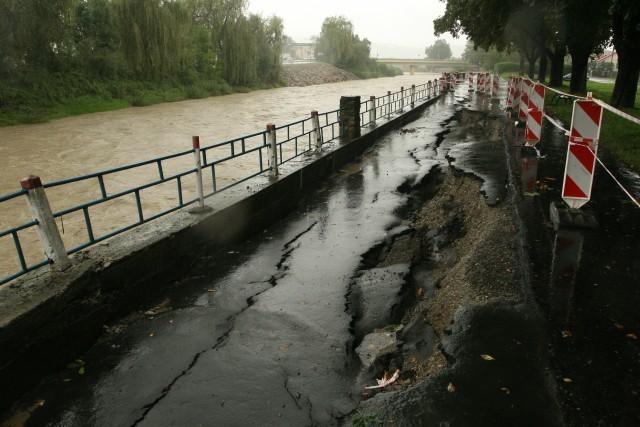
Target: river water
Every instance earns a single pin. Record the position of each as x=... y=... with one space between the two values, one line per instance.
x=80 y=145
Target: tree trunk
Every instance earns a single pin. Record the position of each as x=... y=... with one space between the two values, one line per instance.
x=532 y=68
x=522 y=60
x=626 y=40
x=580 y=61
x=542 y=69
x=626 y=87
x=557 y=67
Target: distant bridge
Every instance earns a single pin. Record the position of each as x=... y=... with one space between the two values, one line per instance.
x=412 y=65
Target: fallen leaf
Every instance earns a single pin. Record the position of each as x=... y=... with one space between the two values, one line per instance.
x=567 y=380
x=618 y=326
x=222 y=403
x=566 y=334
x=419 y=292
x=632 y=336
x=451 y=388
x=506 y=390
x=487 y=357
x=81 y=370
x=283 y=348
x=414 y=359
x=166 y=389
x=211 y=290
x=152 y=334
x=385 y=381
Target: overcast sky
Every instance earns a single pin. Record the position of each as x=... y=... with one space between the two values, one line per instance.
x=403 y=23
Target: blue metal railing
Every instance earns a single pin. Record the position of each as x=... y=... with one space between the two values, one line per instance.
x=293 y=140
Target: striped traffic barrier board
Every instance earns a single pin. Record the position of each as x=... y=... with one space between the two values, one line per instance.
x=536 y=99
x=534 y=127
x=496 y=87
x=581 y=154
x=524 y=99
x=480 y=87
x=487 y=84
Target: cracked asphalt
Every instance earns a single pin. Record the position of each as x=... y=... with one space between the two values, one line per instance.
x=262 y=333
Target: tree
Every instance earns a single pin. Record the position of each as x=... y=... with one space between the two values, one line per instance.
x=626 y=41
x=340 y=46
x=438 y=50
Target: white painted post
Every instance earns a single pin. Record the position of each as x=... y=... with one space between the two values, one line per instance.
x=413 y=96
x=389 y=103
x=195 y=140
x=317 y=135
x=401 y=98
x=47 y=229
x=372 y=111
x=273 y=150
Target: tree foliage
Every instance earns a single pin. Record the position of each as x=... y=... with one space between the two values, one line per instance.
x=338 y=45
x=160 y=40
x=440 y=49
x=544 y=30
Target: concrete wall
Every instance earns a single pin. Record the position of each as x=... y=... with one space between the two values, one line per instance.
x=49 y=319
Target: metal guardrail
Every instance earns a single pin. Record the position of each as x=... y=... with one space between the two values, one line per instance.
x=291 y=141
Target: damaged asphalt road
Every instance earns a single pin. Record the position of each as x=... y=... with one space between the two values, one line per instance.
x=261 y=334
x=412 y=258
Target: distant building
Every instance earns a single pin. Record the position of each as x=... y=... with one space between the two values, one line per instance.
x=301 y=51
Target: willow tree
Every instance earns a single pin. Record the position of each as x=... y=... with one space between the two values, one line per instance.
x=150 y=36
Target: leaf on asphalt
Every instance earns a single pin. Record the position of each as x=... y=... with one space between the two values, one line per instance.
x=419 y=292
x=451 y=388
x=283 y=348
x=487 y=357
x=385 y=381
x=567 y=380
x=414 y=359
x=566 y=334
x=506 y=390
x=632 y=336
x=152 y=334
x=81 y=370
x=618 y=326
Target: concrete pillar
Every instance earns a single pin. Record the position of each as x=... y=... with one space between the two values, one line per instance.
x=47 y=229
x=350 y=117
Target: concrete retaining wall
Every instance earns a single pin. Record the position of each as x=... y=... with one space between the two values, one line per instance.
x=49 y=319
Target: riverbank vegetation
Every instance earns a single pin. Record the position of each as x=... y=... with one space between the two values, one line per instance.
x=68 y=57
x=617 y=134
x=62 y=57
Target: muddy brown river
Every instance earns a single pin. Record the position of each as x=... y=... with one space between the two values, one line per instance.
x=80 y=145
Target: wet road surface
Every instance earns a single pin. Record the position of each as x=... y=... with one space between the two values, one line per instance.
x=264 y=333
x=261 y=333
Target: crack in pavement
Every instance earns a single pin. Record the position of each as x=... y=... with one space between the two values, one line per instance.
x=230 y=322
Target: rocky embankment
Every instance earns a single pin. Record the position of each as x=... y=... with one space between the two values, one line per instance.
x=314 y=74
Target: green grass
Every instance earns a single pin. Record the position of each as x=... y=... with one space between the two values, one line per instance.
x=617 y=135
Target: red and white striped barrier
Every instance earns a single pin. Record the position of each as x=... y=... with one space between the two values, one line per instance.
x=516 y=93
x=510 y=91
x=470 y=82
x=524 y=99
x=582 y=151
x=496 y=87
x=480 y=86
x=534 y=127
x=487 y=84
x=536 y=98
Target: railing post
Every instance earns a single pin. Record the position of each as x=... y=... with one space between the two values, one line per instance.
x=372 y=111
x=273 y=150
x=195 y=140
x=389 y=103
x=47 y=229
x=401 y=98
x=413 y=96
x=317 y=135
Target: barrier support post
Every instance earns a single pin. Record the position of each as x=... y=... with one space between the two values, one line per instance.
x=48 y=231
x=401 y=98
x=273 y=150
x=389 y=103
x=317 y=134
